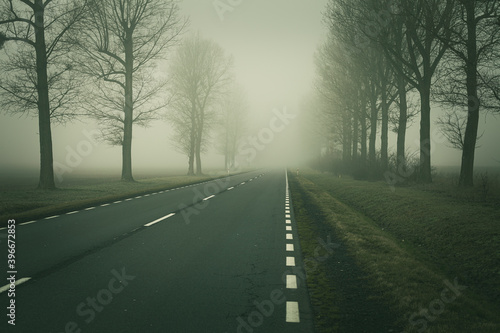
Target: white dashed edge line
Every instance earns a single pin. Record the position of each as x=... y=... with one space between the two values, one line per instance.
x=291 y=281
x=158 y=220
x=292 y=312
x=18 y=282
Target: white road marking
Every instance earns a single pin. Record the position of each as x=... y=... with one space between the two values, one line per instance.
x=291 y=282
x=229 y=189
x=117 y=201
x=18 y=282
x=287 y=212
x=288 y=227
x=27 y=222
x=128 y=199
x=147 y=195
x=90 y=208
x=73 y=212
x=3 y=228
x=290 y=261
x=242 y=183
x=289 y=247
x=160 y=219
x=289 y=236
x=287 y=216
x=292 y=312
x=105 y=205
x=210 y=197
x=138 y=197
x=51 y=217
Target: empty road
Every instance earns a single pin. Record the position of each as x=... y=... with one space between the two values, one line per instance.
x=221 y=256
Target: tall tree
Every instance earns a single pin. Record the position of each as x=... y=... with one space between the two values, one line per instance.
x=424 y=21
x=36 y=68
x=233 y=114
x=121 y=43
x=473 y=39
x=200 y=73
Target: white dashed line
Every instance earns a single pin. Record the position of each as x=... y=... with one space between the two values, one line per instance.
x=73 y=212
x=288 y=221
x=128 y=199
x=160 y=219
x=18 y=282
x=210 y=197
x=287 y=212
x=289 y=247
x=291 y=282
x=229 y=189
x=292 y=312
x=290 y=261
x=289 y=236
x=90 y=208
x=51 y=217
x=117 y=201
x=27 y=222
x=288 y=227
x=287 y=216
x=242 y=183
x=138 y=197
x=105 y=205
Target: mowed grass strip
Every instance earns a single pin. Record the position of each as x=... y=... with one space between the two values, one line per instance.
x=29 y=204
x=394 y=239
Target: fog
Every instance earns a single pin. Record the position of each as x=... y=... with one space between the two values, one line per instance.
x=273 y=45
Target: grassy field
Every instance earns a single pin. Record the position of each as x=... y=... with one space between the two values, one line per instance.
x=24 y=203
x=431 y=253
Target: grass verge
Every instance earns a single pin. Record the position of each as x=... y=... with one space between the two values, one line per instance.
x=416 y=248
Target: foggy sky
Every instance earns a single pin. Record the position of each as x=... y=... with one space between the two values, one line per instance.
x=273 y=43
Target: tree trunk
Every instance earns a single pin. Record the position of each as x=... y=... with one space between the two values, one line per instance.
x=470 y=137
x=364 y=134
x=346 y=134
x=402 y=123
x=384 y=145
x=46 y=181
x=355 y=135
x=128 y=110
x=425 y=131
x=192 y=144
x=373 y=128
x=198 y=154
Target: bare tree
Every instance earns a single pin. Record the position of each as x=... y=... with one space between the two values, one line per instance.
x=453 y=125
x=473 y=39
x=233 y=114
x=426 y=25
x=200 y=72
x=37 y=76
x=121 y=42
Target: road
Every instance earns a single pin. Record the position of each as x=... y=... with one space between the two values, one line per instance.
x=220 y=256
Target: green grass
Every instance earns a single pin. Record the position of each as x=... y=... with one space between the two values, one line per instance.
x=410 y=240
x=25 y=203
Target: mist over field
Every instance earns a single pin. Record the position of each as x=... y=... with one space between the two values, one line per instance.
x=273 y=51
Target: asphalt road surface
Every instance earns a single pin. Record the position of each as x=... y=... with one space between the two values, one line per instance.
x=221 y=256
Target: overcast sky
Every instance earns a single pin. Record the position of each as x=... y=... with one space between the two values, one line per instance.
x=273 y=43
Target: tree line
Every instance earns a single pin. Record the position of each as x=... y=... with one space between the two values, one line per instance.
x=383 y=65
x=67 y=59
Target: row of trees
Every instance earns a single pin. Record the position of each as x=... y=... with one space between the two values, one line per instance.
x=68 y=58
x=381 y=55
